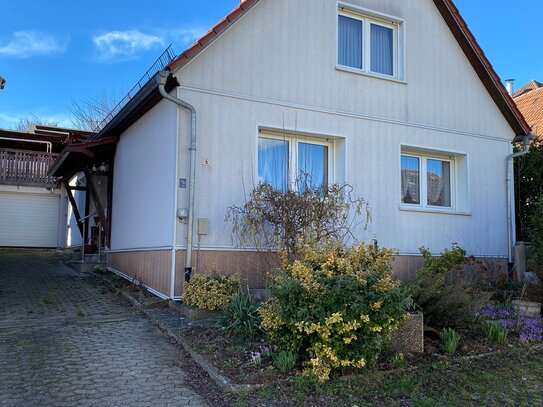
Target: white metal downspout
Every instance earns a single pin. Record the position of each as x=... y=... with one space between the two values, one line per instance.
x=510 y=201
x=175 y=202
x=162 y=77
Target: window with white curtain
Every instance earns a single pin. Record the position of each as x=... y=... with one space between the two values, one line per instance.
x=368 y=44
x=293 y=162
x=427 y=181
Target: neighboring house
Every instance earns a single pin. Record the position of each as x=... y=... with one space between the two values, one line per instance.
x=529 y=100
x=394 y=97
x=33 y=207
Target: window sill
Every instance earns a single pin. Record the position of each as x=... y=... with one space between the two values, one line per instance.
x=434 y=210
x=370 y=74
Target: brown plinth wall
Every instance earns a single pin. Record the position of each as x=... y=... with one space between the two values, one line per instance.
x=153 y=268
x=251 y=266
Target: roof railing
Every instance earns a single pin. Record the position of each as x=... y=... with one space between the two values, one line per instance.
x=162 y=61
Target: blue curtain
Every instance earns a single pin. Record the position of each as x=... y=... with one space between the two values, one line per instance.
x=382 y=45
x=312 y=166
x=273 y=162
x=350 y=42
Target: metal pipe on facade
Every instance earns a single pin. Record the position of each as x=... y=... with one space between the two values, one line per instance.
x=510 y=202
x=49 y=145
x=162 y=78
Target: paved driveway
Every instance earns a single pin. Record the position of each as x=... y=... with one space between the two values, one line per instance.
x=66 y=341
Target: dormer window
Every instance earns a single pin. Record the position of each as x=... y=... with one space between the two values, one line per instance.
x=368 y=44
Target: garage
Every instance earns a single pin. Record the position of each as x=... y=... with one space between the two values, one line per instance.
x=29 y=220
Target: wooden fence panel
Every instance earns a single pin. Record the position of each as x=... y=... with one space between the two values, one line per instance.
x=19 y=167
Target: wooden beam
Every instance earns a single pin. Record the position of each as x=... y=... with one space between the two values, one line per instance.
x=110 y=197
x=96 y=199
x=82 y=150
x=74 y=207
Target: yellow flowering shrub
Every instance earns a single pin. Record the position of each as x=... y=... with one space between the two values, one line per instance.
x=334 y=308
x=211 y=292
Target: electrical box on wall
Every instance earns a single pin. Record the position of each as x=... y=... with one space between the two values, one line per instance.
x=203 y=226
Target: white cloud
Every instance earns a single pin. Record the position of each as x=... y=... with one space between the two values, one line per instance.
x=125 y=44
x=25 y=44
x=185 y=36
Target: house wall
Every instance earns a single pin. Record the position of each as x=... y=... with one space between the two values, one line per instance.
x=258 y=84
x=276 y=69
x=144 y=181
x=143 y=198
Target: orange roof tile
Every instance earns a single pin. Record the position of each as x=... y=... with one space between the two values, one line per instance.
x=527 y=88
x=531 y=105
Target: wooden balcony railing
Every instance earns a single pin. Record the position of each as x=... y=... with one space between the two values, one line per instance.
x=29 y=168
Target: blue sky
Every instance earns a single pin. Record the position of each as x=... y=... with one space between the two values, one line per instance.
x=53 y=52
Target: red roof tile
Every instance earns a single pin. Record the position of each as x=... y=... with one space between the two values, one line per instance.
x=527 y=88
x=482 y=66
x=531 y=105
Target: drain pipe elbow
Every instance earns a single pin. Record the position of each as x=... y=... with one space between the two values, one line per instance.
x=162 y=79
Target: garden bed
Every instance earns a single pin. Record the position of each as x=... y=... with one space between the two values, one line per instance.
x=392 y=380
x=232 y=355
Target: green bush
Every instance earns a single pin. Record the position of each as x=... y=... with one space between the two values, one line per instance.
x=211 y=292
x=241 y=316
x=443 y=292
x=451 y=339
x=536 y=229
x=334 y=308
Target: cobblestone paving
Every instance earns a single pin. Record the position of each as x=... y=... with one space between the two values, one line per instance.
x=66 y=341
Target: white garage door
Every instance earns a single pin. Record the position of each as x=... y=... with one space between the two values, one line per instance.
x=28 y=220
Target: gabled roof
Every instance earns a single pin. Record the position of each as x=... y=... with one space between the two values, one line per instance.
x=531 y=105
x=211 y=35
x=532 y=85
x=482 y=66
x=450 y=14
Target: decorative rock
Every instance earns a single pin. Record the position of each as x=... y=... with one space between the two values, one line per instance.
x=526 y=308
x=194 y=314
x=409 y=336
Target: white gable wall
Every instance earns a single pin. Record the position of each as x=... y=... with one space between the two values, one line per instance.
x=144 y=180
x=276 y=68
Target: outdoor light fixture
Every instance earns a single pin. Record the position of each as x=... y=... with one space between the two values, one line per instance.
x=2 y=83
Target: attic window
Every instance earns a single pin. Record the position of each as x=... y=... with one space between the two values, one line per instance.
x=368 y=44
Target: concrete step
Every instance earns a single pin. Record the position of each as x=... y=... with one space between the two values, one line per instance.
x=90 y=257
x=87 y=266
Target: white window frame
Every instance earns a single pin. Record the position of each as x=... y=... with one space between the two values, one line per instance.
x=293 y=142
x=367 y=18
x=423 y=181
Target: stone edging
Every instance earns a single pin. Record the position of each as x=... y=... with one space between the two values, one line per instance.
x=216 y=375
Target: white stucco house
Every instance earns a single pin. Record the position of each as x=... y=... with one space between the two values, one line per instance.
x=394 y=97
